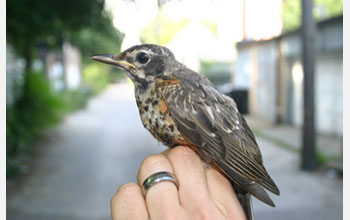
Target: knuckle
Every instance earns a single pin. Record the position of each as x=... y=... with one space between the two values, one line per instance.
x=125 y=200
x=125 y=191
x=153 y=160
x=152 y=164
x=182 y=151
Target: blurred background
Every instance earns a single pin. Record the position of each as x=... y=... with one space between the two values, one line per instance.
x=73 y=133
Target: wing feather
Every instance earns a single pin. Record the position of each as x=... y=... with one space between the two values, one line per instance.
x=211 y=121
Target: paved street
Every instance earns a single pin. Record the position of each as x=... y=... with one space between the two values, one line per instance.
x=81 y=163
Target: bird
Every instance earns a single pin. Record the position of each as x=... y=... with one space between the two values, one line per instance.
x=182 y=107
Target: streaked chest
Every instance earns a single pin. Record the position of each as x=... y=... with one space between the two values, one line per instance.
x=156 y=117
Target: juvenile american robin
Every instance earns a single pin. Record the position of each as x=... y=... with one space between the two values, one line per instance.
x=182 y=107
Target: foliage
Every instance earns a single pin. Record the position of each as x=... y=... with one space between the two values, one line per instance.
x=218 y=73
x=75 y=99
x=323 y=9
x=33 y=24
x=327 y=8
x=35 y=109
x=96 y=77
x=116 y=75
x=291 y=14
x=162 y=29
x=36 y=26
x=92 y=42
x=212 y=26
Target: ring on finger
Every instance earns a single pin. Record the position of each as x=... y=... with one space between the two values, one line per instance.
x=157 y=178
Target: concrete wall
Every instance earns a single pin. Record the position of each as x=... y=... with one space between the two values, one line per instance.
x=266 y=91
x=329 y=93
x=272 y=72
x=257 y=71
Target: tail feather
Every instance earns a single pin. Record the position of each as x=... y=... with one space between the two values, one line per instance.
x=245 y=200
x=248 y=186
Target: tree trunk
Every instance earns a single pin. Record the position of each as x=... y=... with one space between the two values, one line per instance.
x=28 y=56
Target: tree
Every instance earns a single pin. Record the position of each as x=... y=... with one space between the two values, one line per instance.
x=323 y=9
x=36 y=24
x=40 y=23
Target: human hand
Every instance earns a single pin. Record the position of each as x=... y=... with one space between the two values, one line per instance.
x=203 y=193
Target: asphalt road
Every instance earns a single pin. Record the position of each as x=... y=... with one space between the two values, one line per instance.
x=81 y=163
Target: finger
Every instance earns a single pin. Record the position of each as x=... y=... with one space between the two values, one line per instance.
x=224 y=197
x=128 y=203
x=166 y=151
x=162 y=198
x=193 y=191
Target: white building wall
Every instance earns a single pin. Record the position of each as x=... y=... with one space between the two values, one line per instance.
x=329 y=93
x=245 y=67
x=262 y=67
x=71 y=61
x=267 y=81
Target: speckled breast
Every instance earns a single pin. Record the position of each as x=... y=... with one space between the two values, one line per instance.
x=156 y=116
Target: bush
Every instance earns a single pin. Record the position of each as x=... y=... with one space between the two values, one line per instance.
x=218 y=73
x=96 y=77
x=36 y=108
x=76 y=99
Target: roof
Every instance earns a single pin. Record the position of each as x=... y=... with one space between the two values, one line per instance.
x=320 y=24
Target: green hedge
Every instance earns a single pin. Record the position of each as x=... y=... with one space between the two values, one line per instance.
x=37 y=108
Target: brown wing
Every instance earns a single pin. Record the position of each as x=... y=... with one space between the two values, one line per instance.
x=211 y=121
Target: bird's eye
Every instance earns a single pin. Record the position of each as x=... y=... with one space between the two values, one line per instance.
x=142 y=57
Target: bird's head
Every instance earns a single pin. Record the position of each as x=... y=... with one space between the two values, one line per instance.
x=143 y=63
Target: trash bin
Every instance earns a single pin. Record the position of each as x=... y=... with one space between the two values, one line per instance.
x=241 y=98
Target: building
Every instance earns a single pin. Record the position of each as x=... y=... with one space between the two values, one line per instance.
x=63 y=70
x=271 y=70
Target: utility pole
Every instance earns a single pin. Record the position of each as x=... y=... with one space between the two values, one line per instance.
x=244 y=19
x=308 y=56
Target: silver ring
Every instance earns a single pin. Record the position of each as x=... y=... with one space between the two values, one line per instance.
x=157 y=178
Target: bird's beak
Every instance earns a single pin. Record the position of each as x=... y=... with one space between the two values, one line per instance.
x=114 y=60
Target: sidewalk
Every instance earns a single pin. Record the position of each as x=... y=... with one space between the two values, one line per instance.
x=289 y=137
x=304 y=195
x=80 y=165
